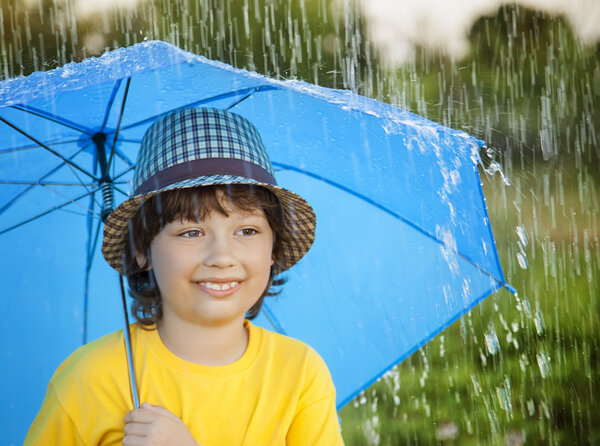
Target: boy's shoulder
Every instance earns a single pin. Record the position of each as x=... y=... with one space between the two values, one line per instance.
x=291 y=350
x=90 y=390
x=102 y=356
x=277 y=340
x=298 y=368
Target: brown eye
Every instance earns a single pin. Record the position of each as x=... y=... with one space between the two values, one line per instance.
x=191 y=234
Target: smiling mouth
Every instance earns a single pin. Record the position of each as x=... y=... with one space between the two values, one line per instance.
x=219 y=286
x=219 y=289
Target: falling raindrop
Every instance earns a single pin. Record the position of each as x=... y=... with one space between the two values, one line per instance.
x=538 y=320
x=522 y=259
x=543 y=361
x=522 y=234
x=491 y=340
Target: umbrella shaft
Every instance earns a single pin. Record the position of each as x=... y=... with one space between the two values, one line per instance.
x=108 y=200
x=129 y=349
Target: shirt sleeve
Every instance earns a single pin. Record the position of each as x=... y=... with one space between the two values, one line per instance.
x=52 y=425
x=315 y=421
x=316 y=425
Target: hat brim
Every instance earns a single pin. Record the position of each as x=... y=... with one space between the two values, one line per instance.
x=300 y=219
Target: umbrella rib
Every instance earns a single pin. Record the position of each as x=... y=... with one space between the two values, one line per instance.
x=249 y=90
x=114 y=144
x=93 y=246
x=89 y=192
x=46 y=212
x=48 y=149
x=90 y=250
x=81 y=214
x=39 y=183
x=125 y=194
x=229 y=94
x=81 y=182
x=386 y=210
x=36 y=146
x=109 y=105
x=47 y=174
x=124 y=172
x=122 y=156
x=89 y=260
x=44 y=115
x=241 y=100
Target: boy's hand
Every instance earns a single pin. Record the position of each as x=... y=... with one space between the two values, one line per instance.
x=156 y=426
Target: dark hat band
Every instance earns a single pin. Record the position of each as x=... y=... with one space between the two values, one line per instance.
x=205 y=167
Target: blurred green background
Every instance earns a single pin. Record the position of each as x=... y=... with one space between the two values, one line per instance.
x=516 y=370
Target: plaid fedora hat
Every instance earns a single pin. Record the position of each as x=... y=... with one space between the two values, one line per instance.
x=193 y=147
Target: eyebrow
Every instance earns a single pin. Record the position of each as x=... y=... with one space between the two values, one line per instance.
x=241 y=214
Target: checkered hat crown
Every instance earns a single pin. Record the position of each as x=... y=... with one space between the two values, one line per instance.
x=198 y=134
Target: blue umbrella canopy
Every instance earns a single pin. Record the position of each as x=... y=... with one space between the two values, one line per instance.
x=403 y=246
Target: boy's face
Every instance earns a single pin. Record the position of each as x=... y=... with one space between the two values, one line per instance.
x=212 y=272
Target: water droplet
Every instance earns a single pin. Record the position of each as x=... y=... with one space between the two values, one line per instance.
x=530 y=408
x=476 y=385
x=446 y=431
x=545 y=410
x=482 y=357
x=543 y=361
x=522 y=234
x=523 y=362
x=522 y=259
x=370 y=429
x=491 y=340
x=538 y=320
x=525 y=307
x=503 y=396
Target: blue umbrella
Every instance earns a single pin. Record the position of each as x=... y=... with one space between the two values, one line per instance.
x=403 y=247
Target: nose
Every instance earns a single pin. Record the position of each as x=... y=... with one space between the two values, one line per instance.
x=218 y=252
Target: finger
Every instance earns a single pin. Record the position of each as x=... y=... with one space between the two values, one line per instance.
x=133 y=440
x=143 y=416
x=136 y=429
x=159 y=410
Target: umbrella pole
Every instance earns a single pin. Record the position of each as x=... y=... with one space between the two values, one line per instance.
x=129 y=350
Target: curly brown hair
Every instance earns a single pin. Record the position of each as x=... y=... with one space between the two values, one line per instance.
x=194 y=203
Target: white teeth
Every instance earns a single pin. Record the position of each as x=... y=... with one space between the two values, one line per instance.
x=219 y=286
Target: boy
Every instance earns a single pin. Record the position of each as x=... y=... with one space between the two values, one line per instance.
x=201 y=243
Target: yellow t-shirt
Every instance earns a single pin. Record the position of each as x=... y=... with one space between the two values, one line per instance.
x=279 y=392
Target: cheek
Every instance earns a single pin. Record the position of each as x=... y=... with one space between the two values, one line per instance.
x=165 y=264
x=265 y=258
x=257 y=259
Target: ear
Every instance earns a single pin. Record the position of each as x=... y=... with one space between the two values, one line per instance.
x=143 y=261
